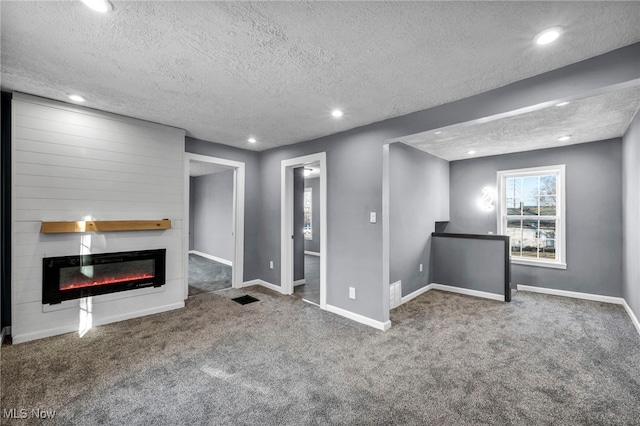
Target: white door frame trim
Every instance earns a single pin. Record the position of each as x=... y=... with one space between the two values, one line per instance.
x=286 y=222
x=386 y=226
x=238 y=167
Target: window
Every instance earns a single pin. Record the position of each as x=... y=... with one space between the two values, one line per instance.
x=532 y=214
x=308 y=234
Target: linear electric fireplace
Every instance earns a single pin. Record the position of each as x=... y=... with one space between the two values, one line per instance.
x=73 y=277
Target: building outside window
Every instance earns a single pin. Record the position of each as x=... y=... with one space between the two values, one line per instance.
x=532 y=214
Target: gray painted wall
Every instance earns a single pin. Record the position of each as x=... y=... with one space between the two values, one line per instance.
x=252 y=196
x=631 y=215
x=298 y=223
x=419 y=197
x=314 y=243
x=354 y=188
x=213 y=214
x=354 y=175
x=468 y=263
x=594 y=218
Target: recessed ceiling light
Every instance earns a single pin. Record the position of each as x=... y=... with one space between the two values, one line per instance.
x=564 y=138
x=471 y=152
x=547 y=36
x=438 y=132
x=562 y=104
x=252 y=140
x=76 y=98
x=101 y=6
x=337 y=113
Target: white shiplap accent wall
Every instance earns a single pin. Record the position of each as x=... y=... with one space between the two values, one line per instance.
x=72 y=163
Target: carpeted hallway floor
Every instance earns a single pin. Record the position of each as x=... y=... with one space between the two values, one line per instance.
x=310 y=290
x=447 y=360
x=207 y=275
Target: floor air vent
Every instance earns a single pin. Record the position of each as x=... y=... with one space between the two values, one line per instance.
x=395 y=293
x=243 y=300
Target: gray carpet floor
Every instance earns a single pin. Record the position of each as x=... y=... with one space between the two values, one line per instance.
x=207 y=275
x=310 y=290
x=447 y=360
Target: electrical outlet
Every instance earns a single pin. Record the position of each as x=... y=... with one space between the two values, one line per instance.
x=271 y=264
x=490 y=232
x=421 y=267
x=352 y=293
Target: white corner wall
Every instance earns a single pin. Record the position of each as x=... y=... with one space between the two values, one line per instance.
x=631 y=217
x=71 y=163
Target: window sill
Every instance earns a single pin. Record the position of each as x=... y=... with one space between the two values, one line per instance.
x=553 y=265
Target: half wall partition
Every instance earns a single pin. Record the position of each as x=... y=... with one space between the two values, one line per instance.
x=475 y=262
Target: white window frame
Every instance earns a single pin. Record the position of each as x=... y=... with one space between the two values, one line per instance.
x=310 y=236
x=561 y=240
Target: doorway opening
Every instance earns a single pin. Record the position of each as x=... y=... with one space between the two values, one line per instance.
x=306 y=241
x=214 y=224
x=304 y=228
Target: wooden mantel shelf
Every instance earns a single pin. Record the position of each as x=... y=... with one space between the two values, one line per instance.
x=104 y=226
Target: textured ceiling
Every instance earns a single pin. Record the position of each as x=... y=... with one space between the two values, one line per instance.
x=201 y=168
x=586 y=120
x=224 y=71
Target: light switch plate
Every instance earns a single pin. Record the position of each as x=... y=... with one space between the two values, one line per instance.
x=372 y=217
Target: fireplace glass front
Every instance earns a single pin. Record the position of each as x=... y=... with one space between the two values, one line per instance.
x=73 y=277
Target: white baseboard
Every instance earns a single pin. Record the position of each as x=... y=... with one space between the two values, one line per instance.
x=634 y=318
x=214 y=258
x=572 y=294
x=334 y=309
x=21 y=338
x=452 y=289
x=263 y=283
x=312 y=253
x=585 y=296
x=468 y=292
x=415 y=294
x=310 y=302
x=384 y=326
x=299 y=282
